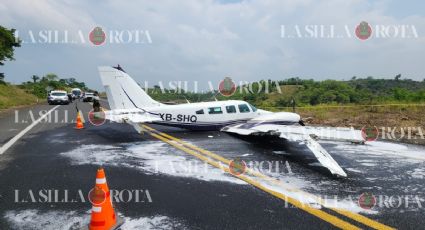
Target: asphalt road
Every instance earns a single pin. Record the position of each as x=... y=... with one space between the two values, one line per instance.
x=176 y=190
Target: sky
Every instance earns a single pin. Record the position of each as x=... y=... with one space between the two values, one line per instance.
x=207 y=40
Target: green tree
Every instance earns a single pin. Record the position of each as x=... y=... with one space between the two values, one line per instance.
x=397 y=77
x=70 y=81
x=35 y=78
x=51 y=77
x=400 y=94
x=2 y=78
x=8 y=42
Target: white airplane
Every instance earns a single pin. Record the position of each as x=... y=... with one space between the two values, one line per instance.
x=129 y=103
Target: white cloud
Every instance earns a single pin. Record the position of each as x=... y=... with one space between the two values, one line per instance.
x=46 y=14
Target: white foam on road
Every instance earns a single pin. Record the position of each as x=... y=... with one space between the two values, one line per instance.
x=151 y=156
x=159 y=157
x=392 y=158
x=35 y=219
x=295 y=185
x=354 y=170
x=404 y=152
x=175 y=164
x=95 y=154
x=290 y=183
x=348 y=204
x=292 y=189
x=418 y=173
x=151 y=223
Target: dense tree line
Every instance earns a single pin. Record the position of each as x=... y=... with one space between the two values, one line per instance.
x=38 y=86
x=310 y=92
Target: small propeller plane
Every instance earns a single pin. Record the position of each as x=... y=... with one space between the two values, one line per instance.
x=129 y=103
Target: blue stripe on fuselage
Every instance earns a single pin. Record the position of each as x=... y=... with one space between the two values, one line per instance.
x=207 y=126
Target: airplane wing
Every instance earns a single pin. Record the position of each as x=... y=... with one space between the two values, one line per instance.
x=131 y=116
x=303 y=136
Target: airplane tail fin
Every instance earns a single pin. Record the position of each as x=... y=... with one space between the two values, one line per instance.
x=122 y=91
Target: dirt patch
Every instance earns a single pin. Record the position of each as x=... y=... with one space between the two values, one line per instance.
x=400 y=123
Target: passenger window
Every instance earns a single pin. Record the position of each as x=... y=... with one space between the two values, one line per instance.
x=215 y=110
x=201 y=111
x=253 y=108
x=243 y=108
x=231 y=109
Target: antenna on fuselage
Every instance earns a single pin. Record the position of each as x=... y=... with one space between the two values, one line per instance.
x=188 y=102
x=215 y=96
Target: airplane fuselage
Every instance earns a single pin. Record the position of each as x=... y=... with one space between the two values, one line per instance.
x=206 y=115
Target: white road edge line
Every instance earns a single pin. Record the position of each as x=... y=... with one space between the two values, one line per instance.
x=23 y=132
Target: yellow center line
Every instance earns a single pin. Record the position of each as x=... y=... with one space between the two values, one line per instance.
x=355 y=216
x=316 y=212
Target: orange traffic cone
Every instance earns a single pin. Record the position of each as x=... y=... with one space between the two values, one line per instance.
x=79 y=124
x=102 y=214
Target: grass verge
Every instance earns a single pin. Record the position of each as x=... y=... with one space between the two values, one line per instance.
x=12 y=96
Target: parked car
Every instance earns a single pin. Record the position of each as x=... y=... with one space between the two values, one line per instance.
x=88 y=97
x=58 y=97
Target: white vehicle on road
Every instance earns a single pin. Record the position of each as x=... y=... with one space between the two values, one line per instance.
x=76 y=93
x=58 y=97
x=89 y=97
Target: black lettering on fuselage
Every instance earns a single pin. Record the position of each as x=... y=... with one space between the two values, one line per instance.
x=179 y=117
x=162 y=116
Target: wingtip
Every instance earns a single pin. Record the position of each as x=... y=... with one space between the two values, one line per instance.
x=340 y=173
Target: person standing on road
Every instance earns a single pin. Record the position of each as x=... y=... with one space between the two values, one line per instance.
x=293 y=104
x=70 y=97
x=96 y=104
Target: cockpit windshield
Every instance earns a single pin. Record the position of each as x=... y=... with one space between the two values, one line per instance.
x=252 y=107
